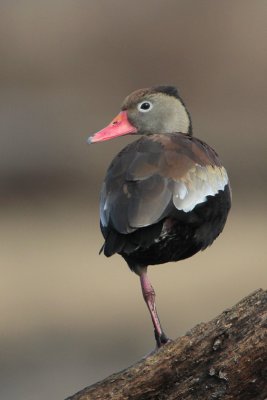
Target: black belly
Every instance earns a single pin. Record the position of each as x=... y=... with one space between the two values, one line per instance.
x=179 y=236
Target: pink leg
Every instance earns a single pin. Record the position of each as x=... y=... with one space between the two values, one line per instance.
x=149 y=297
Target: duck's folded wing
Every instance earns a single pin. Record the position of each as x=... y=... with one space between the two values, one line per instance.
x=149 y=178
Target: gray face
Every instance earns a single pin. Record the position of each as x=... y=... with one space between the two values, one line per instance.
x=156 y=113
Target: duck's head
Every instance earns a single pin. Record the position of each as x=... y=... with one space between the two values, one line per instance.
x=148 y=111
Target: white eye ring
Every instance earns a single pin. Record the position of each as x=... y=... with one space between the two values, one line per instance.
x=144 y=106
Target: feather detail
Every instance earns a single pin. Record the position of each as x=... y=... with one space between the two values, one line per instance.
x=197 y=184
x=156 y=175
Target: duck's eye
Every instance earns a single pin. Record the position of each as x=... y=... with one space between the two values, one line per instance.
x=145 y=106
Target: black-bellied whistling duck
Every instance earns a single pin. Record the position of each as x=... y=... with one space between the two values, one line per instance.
x=166 y=196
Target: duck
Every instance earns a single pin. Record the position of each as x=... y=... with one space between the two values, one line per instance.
x=165 y=196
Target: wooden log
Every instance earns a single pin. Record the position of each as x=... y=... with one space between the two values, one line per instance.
x=225 y=358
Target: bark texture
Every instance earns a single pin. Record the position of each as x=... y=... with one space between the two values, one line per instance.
x=225 y=358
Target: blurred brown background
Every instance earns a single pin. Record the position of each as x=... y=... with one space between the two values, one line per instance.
x=68 y=316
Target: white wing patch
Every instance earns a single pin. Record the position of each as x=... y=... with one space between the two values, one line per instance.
x=103 y=205
x=197 y=184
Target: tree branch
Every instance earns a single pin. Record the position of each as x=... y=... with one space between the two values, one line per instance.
x=225 y=358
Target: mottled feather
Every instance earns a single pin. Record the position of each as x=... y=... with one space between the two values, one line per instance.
x=155 y=175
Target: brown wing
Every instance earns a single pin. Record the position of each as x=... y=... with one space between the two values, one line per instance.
x=155 y=174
